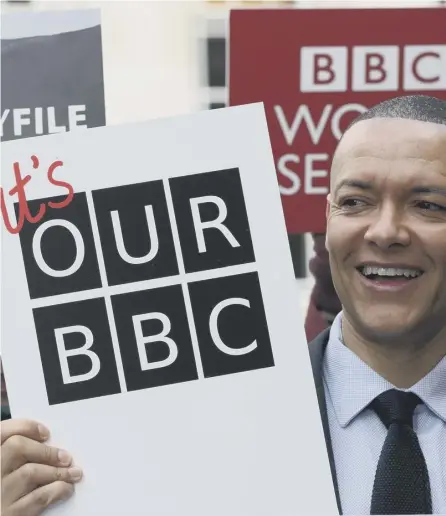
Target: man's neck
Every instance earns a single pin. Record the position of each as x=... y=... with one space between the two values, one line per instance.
x=403 y=364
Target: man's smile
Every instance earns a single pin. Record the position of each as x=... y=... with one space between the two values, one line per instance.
x=389 y=277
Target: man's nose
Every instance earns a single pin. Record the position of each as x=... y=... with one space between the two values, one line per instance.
x=387 y=228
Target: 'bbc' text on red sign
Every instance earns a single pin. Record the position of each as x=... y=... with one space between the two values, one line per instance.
x=317 y=70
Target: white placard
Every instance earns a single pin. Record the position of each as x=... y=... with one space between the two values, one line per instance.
x=152 y=322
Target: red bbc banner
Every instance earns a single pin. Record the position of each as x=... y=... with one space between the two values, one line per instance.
x=317 y=70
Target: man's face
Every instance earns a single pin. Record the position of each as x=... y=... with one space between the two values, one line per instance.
x=386 y=231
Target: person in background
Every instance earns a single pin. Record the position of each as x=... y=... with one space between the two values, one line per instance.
x=324 y=303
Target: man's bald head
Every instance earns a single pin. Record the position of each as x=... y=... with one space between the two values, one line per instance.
x=421 y=108
x=411 y=108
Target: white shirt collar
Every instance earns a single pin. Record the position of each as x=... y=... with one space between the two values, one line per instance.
x=353 y=385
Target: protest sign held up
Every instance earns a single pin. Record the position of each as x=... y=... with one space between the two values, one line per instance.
x=154 y=303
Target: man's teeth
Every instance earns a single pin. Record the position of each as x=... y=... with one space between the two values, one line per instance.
x=390 y=271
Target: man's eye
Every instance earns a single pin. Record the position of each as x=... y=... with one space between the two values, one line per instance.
x=352 y=203
x=430 y=206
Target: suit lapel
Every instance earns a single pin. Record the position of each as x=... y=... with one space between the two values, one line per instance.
x=317 y=350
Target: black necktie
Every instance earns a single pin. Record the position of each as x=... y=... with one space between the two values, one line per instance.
x=402 y=480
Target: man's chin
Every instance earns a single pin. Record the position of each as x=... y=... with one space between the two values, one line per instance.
x=386 y=326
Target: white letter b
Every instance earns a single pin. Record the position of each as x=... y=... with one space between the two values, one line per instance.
x=83 y=350
x=142 y=340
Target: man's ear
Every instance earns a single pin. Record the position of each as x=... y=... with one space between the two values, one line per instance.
x=328 y=206
x=327 y=214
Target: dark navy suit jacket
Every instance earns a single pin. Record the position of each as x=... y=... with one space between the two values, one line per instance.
x=317 y=350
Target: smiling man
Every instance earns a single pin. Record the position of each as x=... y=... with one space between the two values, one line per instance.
x=381 y=369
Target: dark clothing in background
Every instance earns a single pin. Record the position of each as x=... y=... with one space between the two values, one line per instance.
x=324 y=302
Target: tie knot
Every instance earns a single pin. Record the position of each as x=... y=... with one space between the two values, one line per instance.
x=395 y=407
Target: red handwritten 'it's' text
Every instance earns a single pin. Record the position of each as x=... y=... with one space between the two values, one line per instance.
x=24 y=213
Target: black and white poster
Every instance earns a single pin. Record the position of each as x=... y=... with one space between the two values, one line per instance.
x=51 y=73
x=147 y=281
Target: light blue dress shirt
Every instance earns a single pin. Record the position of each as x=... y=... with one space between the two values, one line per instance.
x=358 y=435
